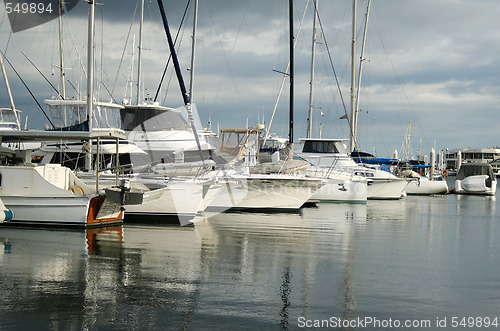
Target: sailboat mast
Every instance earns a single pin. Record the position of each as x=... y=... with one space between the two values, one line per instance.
x=139 y=58
x=179 y=76
x=311 y=82
x=193 y=48
x=290 y=14
x=353 y=77
x=90 y=79
x=361 y=60
x=62 y=92
x=90 y=64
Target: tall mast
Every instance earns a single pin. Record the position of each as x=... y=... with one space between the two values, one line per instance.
x=62 y=92
x=90 y=64
x=139 y=59
x=290 y=14
x=180 y=79
x=193 y=48
x=353 y=77
x=90 y=79
x=130 y=83
x=361 y=60
x=311 y=82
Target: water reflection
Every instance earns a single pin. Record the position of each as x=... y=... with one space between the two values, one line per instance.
x=416 y=257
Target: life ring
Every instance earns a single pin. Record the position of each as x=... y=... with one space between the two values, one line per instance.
x=77 y=190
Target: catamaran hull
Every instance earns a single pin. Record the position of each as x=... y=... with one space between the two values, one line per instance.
x=266 y=194
x=180 y=201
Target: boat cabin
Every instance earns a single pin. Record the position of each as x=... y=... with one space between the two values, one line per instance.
x=323 y=146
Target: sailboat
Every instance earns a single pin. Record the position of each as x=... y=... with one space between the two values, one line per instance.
x=243 y=188
x=381 y=184
x=324 y=155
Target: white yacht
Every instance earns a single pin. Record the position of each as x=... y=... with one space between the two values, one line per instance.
x=476 y=178
x=332 y=154
x=329 y=160
x=163 y=133
x=51 y=194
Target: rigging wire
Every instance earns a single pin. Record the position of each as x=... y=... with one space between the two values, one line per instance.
x=398 y=80
x=124 y=48
x=26 y=86
x=333 y=67
x=226 y=60
x=41 y=73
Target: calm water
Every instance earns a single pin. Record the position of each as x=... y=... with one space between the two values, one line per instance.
x=420 y=259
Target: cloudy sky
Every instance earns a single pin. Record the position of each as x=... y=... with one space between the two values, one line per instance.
x=434 y=63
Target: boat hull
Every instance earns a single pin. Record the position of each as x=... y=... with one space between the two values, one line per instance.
x=53 y=195
x=424 y=186
x=475 y=185
x=386 y=188
x=261 y=193
x=342 y=190
x=79 y=211
x=181 y=201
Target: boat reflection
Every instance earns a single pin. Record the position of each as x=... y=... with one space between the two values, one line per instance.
x=228 y=268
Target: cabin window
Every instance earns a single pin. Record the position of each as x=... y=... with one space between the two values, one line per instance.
x=319 y=147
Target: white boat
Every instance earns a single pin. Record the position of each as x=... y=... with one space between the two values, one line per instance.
x=475 y=178
x=329 y=160
x=422 y=185
x=163 y=133
x=181 y=200
x=385 y=186
x=249 y=185
x=263 y=192
x=51 y=194
x=332 y=154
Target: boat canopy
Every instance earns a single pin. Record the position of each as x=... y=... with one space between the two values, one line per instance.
x=72 y=113
x=152 y=118
x=474 y=169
